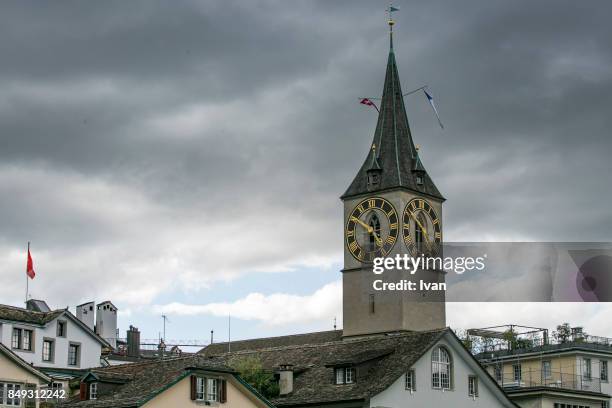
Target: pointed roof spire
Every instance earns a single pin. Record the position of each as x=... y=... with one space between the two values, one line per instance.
x=395 y=152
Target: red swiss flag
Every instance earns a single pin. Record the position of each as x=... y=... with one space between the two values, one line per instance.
x=30 y=267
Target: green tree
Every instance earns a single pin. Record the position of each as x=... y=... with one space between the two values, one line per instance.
x=252 y=371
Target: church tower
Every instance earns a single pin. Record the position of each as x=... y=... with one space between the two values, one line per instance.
x=392 y=207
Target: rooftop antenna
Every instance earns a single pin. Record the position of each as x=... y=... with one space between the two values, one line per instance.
x=229 y=332
x=212 y=333
x=165 y=319
x=334 y=322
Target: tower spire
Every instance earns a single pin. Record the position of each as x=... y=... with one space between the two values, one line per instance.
x=395 y=153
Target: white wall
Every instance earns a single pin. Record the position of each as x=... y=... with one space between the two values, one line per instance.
x=91 y=349
x=425 y=396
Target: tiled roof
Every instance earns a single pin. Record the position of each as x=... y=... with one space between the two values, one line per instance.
x=395 y=151
x=291 y=340
x=18 y=314
x=380 y=361
x=142 y=381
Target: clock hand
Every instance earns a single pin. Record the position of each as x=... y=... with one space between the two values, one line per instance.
x=370 y=231
x=366 y=226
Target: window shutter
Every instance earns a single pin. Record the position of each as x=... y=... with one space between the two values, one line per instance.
x=83 y=391
x=223 y=388
x=193 y=387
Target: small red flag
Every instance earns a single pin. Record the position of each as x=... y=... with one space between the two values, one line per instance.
x=30 y=267
x=367 y=102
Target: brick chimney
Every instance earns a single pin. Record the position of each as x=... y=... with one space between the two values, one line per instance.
x=286 y=379
x=133 y=342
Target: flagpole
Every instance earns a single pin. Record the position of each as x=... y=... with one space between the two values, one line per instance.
x=26 y=276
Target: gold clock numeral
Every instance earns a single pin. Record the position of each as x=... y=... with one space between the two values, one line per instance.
x=350 y=233
x=435 y=222
x=390 y=240
x=393 y=226
x=438 y=235
x=371 y=203
x=353 y=246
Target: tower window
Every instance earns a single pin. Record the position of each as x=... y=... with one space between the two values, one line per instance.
x=418 y=232
x=373 y=179
x=375 y=224
x=419 y=180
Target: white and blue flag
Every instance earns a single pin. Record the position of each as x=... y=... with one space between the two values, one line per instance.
x=433 y=105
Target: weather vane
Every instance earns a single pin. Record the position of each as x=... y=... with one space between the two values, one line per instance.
x=390 y=11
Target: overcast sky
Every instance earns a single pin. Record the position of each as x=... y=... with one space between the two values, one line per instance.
x=188 y=157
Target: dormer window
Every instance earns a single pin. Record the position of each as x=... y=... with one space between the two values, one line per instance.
x=93 y=391
x=345 y=375
x=419 y=180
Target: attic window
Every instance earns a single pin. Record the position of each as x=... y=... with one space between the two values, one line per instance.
x=373 y=179
x=345 y=375
x=419 y=180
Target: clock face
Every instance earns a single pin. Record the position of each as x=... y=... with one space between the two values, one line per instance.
x=422 y=231
x=371 y=229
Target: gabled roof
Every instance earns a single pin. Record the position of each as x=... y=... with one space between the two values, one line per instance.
x=22 y=363
x=18 y=314
x=395 y=152
x=384 y=358
x=388 y=356
x=21 y=315
x=138 y=383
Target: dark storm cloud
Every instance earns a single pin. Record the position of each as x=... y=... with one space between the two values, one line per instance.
x=149 y=124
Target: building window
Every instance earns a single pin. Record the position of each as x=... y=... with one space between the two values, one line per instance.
x=604 y=404
x=546 y=370
x=13 y=401
x=497 y=370
x=93 y=390
x=372 y=304
x=27 y=340
x=441 y=369
x=419 y=180
x=16 y=341
x=22 y=339
x=603 y=370
x=73 y=354
x=473 y=386
x=411 y=381
x=517 y=372
x=212 y=391
x=200 y=388
x=345 y=375
x=587 y=369
x=61 y=328
x=47 y=350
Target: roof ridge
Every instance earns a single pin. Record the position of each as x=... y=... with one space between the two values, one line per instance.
x=276 y=337
x=331 y=343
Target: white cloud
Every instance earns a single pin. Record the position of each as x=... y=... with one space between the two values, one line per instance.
x=271 y=310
